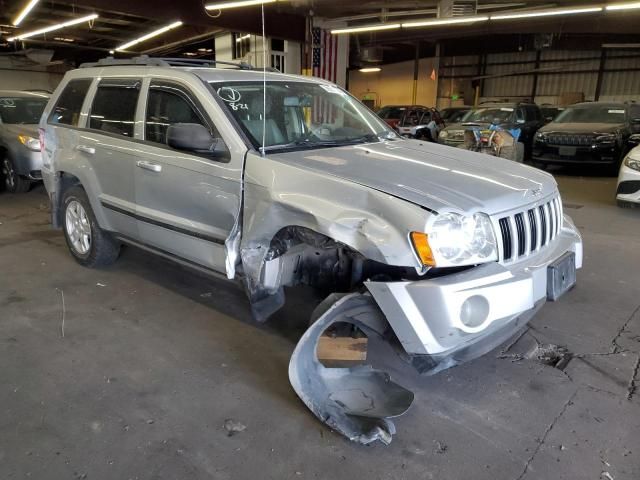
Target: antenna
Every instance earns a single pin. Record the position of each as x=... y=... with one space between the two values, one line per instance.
x=264 y=84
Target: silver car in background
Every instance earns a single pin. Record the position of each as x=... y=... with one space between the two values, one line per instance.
x=20 y=157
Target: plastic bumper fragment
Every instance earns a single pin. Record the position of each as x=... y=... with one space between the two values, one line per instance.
x=357 y=402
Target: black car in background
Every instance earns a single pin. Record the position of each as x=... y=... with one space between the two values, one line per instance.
x=549 y=112
x=594 y=133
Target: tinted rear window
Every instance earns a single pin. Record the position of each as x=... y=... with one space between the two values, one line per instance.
x=68 y=106
x=114 y=106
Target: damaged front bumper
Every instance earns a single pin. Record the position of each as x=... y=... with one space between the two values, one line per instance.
x=440 y=323
x=448 y=315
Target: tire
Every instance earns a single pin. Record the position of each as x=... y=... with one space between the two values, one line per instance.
x=623 y=204
x=90 y=245
x=12 y=181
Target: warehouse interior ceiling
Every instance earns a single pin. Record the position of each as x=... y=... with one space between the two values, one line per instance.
x=120 y=20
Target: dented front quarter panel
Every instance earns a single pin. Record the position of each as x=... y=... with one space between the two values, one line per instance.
x=278 y=195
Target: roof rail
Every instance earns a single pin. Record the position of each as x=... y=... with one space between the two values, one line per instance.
x=145 y=60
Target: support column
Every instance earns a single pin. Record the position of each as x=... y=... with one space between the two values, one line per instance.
x=416 y=71
x=603 y=60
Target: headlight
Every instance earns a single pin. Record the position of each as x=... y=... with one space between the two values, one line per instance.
x=443 y=134
x=455 y=240
x=633 y=163
x=30 y=142
x=606 y=138
x=541 y=137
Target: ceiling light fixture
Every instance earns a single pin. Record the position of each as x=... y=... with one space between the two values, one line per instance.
x=143 y=38
x=370 y=28
x=370 y=69
x=25 y=11
x=243 y=37
x=546 y=13
x=444 y=21
x=242 y=3
x=51 y=28
x=623 y=6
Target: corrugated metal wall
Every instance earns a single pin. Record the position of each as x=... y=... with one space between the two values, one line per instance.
x=559 y=72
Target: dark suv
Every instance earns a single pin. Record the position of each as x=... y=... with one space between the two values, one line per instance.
x=593 y=133
x=525 y=116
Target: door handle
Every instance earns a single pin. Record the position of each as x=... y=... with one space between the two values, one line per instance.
x=154 y=167
x=85 y=149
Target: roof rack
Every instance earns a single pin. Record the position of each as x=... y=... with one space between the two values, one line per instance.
x=147 y=61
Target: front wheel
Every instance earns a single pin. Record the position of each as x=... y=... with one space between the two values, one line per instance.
x=88 y=243
x=13 y=182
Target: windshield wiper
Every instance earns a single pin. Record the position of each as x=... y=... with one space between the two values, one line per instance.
x=307 y=144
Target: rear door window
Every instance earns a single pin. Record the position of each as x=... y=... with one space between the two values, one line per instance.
x=67 y=108
x=114 y=106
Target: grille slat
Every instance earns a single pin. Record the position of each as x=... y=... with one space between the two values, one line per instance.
x=520 y=230
x=533 y=225
x=570 y=139
x=530 y=230
x=505 y=230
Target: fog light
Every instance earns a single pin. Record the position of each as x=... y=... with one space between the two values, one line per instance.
x=474 y=311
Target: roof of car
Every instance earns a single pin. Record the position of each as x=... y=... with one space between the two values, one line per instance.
x=22 y=93
x=207 y=70
x=600 y=104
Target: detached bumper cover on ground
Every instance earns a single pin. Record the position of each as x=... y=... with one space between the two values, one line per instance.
x=440 y=322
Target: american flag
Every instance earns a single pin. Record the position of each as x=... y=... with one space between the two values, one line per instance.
x=324 y=65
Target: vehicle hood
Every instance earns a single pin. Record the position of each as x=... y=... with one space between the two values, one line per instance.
x=434 y=176
x=582 y=127
x=19 y=129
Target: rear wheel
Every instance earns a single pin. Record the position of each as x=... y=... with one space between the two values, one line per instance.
x=13 y=182
x=88 y=243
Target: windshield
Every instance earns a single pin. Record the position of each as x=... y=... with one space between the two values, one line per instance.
x=456 y=116
x=592 y=114
x=21 y=110
x=300 y=115
x=489 y=115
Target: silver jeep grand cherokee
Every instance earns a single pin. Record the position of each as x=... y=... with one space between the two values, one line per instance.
x=279 y=180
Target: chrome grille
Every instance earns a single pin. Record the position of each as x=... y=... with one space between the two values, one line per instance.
x=525 y=232
x=570 y=139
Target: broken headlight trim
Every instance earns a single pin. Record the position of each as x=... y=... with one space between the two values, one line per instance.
x=458 y=240
x=632 y=163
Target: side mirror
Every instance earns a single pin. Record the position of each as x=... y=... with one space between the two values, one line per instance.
x=196 y=138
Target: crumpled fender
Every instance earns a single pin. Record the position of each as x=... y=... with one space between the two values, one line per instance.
x=357 y=402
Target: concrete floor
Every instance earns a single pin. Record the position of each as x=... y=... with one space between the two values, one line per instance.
x=155 y=358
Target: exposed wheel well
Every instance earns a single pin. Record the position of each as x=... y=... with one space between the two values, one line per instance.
x=300 y=255
x=63 y=181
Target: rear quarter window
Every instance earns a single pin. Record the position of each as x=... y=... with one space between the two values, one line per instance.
x=67 y=109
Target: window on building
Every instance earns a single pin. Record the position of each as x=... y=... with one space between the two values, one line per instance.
x=241 y=44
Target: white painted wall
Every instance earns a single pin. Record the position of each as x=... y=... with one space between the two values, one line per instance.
x=17 y=76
